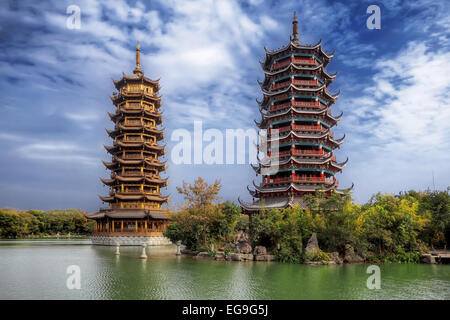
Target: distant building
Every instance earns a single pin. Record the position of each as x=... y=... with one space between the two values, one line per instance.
x=135 y=213
x=296 y=113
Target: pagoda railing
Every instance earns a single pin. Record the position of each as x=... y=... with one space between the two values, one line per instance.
x=305 y=82
x=280 y=85
x=280 y=154
x=128 y=233
x=133 y=156
x=313 y=104
x=282 y=64
x=298 y=179
x=133 y=122
x=137 y=139
x=134 y=192
x=296 y=82
x=304 y=61
x=137 y=106
x=301 y=127
x=295 y=60
x=300 y=152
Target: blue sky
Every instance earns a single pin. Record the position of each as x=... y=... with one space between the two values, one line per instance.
x=56 y=83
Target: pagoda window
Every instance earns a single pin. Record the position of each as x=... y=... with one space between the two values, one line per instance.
x=134 y=88
x=148 y=90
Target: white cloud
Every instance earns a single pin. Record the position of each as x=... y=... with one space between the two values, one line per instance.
x=400 y=126
x=57 y=151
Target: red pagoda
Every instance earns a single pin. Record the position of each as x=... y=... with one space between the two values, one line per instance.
x=298 y=154
x=135 y=214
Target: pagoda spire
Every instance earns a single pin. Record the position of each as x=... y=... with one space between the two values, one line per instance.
x=138 y=59
x=295 y=29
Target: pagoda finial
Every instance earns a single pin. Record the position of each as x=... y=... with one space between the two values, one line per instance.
x=295 y=28
x=138 y=59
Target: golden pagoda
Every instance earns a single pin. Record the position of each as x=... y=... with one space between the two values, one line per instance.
x=135 y=214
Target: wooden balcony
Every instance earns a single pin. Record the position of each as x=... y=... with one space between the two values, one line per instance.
x=281 y=64
x=281 y=154
x=280 y=85
x=299 y=127
x=311 y=83
x=314 y=153
x=304 y=61
x=128 y=233
x=295 y=60
x=299 y=179
x=308 y=104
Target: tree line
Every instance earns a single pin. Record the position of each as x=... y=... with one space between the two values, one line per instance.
x=386 y=227
x=36 y=223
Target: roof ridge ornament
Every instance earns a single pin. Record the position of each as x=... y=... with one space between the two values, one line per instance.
x=138 y=69
x=295 y=29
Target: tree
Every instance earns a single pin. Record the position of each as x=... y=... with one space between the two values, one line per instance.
x=200 y=198
x=200 y=194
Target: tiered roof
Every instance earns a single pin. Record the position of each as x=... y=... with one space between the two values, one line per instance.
x=295 y=110
x=135 y=182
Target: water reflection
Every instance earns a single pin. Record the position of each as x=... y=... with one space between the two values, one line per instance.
x=37 y=270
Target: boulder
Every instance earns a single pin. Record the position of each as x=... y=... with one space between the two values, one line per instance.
x=235 y=256
x=335 y=258
x=243 y=247
x=247 y=257
x=313 y=244
x=313 y=263
x=241 y=236
x=350 y=256
x=219 y=256
x=203 y=254
x=259 y=250
x=427 y=258
x=189 y=252
x=265 y=257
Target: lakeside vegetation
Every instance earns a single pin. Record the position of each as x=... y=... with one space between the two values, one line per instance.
x=386 y=228
x=44 y=224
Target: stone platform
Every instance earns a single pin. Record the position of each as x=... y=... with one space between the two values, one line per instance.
x=130 y=240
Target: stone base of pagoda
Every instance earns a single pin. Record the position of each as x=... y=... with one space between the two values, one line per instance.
x=130 y=239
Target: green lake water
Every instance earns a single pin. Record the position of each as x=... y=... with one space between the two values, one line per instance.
x=37 y=270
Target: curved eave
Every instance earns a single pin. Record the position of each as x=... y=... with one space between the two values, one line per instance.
x=296 y=160
x=300 y=136
x=136 y=77
x=332 y=96
x=134 y=197
x=338 y=141
x=295 y=109
x=107 y=198
x=296 y=187
x=335 y=118
x=255 y=168
x=345 y=190
x=295 y=45
x=109 y=165
x=142 y=127
x=340 y=165
x=157 y=181
x=328 y=55
x=156 y=164
x=268 y=93
x=108 y=182
x=272 y=52
x=259 y=206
